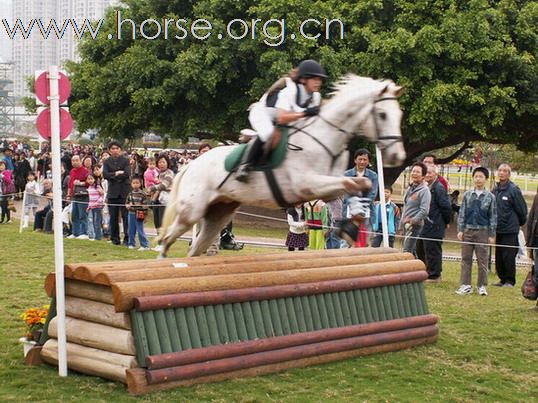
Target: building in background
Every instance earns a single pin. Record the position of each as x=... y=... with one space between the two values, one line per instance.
x=36 y=53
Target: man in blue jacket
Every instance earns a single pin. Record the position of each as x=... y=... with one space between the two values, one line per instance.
x=511 y=214
x=362 y=160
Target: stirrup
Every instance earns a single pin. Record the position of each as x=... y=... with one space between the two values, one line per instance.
x=242 y=173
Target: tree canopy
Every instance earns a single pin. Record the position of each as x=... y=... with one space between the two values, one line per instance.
x=469 y=67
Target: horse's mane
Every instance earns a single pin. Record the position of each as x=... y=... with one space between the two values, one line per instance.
x=352 y=85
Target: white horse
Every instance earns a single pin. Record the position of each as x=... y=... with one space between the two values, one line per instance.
x=204 y=193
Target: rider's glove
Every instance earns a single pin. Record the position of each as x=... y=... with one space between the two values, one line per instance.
x=312 y=111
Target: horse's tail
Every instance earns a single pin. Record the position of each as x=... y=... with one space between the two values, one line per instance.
x=171 y=209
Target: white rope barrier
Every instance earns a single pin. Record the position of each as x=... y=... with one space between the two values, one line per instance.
x=324 y=227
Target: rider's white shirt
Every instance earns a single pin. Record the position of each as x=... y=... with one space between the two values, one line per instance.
x=287 y=97
x=262 y=118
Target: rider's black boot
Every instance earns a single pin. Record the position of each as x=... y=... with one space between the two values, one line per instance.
x=247 y=160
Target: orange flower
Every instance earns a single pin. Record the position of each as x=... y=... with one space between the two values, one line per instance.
x=35 y=318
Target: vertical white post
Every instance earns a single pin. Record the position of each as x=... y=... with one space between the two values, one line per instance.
x=57 y=206
x=381 y=179
x=21 y=224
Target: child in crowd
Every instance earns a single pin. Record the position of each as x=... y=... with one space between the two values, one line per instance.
x=31 y=204
x=317 y=219
x=477 y=223
x=297 y=236
x=151 y=176
x=136 y=204
x=95 y=208
x=99 y=180
x=7 y=188
x=393 y=220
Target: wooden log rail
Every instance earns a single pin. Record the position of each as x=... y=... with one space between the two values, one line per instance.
x=286 y=354
x=140 y=274
x=88 y=271
x=125 y=292
x=137 y=383
x=264 y=293
x=275 y=343
x=91 y=361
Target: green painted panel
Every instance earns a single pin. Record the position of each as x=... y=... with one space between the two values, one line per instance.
x=184 y=336
x=173 y=329
x=192 y=326
x=139 y=334
x=299 y=314
x=316 y=315
x=258 y=319
x=325 y=324
x=275 y=318
x=346 y=314
x=266 y=317
x=161 y=331
x=354 y=307
x=412 y=299
x=337 y=309
x=387 y=303
x=283 y=315
x=405 y=296
x=224 y=336
x=331 y=314
x=212 y=324
x=249 y=321
x=367 y=309
x=290 y=308
x=308 y=318
x=151 y=333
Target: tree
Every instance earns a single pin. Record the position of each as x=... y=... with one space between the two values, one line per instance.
x=469 y=67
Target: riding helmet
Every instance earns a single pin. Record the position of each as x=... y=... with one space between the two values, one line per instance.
x=311 y=68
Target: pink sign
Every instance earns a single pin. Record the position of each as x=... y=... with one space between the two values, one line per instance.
x=43 y=124
x=42 y=88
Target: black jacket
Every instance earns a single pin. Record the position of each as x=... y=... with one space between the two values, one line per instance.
x=511 y=208
x=532 y=224
x=118 y=185
x=440 y=212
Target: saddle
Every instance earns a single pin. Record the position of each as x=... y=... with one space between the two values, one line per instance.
x=276 y=157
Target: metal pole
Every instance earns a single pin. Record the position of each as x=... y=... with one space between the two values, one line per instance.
x=381 y=179
x=57 y=206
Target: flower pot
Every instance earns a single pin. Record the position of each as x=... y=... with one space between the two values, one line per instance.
x=27 y=344
x=36 y=335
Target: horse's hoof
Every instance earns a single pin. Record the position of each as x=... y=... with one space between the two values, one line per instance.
x=161 y=256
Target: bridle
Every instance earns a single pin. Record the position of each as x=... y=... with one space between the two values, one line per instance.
x=381 y=139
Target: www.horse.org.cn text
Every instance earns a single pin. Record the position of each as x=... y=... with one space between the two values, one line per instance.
x=273 y=31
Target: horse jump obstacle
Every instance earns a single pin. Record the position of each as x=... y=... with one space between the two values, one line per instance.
x=161 y=324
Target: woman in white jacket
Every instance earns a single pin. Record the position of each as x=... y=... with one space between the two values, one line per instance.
x=297 y=235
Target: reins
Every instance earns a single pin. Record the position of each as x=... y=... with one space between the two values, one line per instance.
x=336 y=156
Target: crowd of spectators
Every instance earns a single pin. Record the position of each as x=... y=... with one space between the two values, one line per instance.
x=96 y=184
x=105 y=186
x=484 y=218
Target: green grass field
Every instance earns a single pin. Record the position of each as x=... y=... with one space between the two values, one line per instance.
x=487 y=350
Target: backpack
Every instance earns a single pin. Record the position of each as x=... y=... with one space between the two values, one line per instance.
x=529 y=288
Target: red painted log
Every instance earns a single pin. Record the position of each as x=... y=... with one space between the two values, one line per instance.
x=281 y=291
x=275 y=343
x=286 y=354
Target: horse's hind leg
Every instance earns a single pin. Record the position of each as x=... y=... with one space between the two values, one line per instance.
x=216 y=218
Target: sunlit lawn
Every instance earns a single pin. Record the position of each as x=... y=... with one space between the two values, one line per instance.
x=487 y=350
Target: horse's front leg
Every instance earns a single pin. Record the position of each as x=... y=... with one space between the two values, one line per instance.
x=311 y=187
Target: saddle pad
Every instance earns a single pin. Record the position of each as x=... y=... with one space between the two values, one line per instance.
x=275 y=158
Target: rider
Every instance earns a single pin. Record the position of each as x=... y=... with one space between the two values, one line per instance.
x=291 y=98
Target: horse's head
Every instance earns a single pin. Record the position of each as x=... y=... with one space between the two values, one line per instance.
x=369 y=108
x=382 y=124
